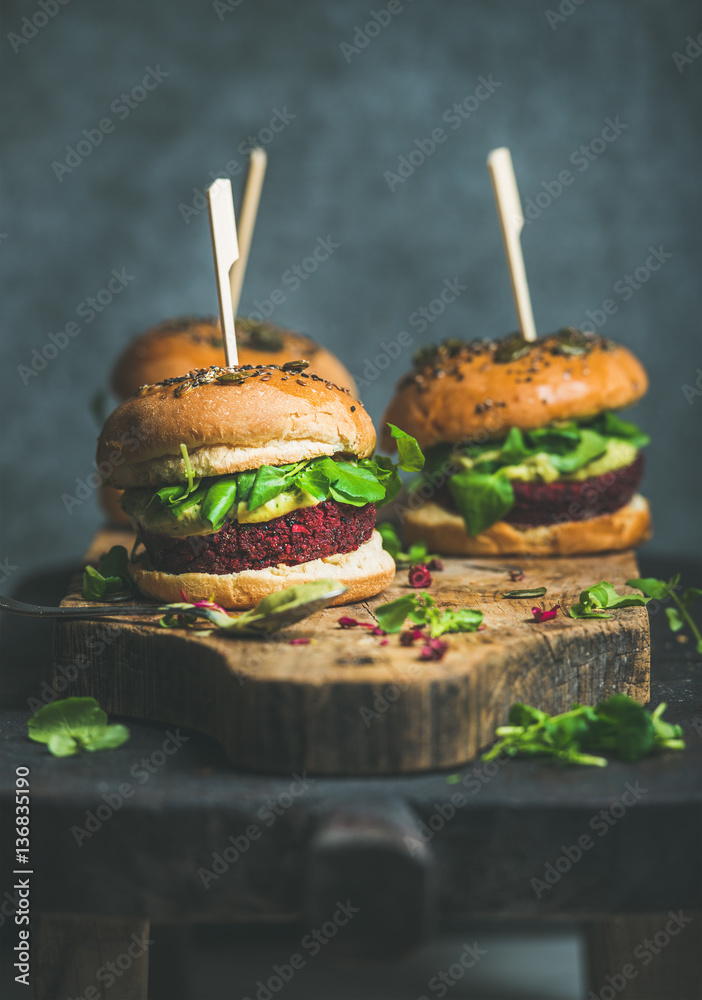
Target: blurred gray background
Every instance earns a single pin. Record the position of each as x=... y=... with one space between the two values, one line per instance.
x=337 y=107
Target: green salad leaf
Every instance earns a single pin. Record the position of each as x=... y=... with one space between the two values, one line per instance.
x=481 y=499
x=594 y=600
x=609 y=424
x=416 y=554
x=409 y=453
x=478 y=475
x=616 y=726
x=354 y=482
x=111 y=579
x=74 y=724
x=678 y=616
x=256 y=621
x=421 y=609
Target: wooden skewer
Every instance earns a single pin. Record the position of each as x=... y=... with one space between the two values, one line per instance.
x=226 y=250
x=509 y=209
x=247 y=221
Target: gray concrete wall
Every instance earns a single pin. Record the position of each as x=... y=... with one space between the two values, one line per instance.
x=229 y=68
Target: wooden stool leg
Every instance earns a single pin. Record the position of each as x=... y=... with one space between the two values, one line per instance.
x=90 y=958
x=652 y=957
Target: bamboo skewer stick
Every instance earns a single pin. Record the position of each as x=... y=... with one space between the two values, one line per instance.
x=247 y=222
x=226 y=251
x=509 y=209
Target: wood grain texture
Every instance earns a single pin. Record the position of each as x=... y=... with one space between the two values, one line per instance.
x=345 y=704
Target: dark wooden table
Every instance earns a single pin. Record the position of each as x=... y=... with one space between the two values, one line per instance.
x=163 y=829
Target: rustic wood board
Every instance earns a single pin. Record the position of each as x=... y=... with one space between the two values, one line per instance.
x=345 y=704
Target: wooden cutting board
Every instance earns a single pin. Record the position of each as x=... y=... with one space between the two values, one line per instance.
x=345 y=703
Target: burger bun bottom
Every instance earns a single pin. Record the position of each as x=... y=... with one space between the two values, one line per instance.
x=366 y=572
x=444 y=531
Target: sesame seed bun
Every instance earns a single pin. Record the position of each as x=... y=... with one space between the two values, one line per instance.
x=460 y=390
x=366 y=572
x=230 y=420
x=444 y=531
x=177 y=345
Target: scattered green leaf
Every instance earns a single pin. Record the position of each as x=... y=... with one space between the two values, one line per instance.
x=417 y=552
x=74 y=724
x=594 y=600
x=409 y=453
x=616 y=726
x=111 y=579
x=534 y=592
x=421 y=609
x=678 y=617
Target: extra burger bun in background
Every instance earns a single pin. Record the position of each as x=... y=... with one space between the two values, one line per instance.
x=461 y=401
x=179 y=345
x=232 y=420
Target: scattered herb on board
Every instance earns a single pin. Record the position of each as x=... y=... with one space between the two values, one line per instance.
x=111 y=580
x=617 y=726
x=74 y=724
x=422 y=610
x=416 y=554
x=185 y=614
x=534 y=592
x=595 y=600
x=679 y=616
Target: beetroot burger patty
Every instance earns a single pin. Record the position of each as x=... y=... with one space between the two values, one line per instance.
x=302 y=535
x=542 y=503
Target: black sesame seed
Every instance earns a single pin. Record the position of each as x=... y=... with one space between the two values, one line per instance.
x=353 y=409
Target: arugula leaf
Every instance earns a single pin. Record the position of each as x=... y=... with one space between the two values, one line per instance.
x=621 y=726
x=110 y=578
x=391 y=540
x=74 y=724
x=481 y=499
x=564 y=448
x=184 y=614
x=690 y=594
x=514 y=450
x=391 y=616
x=534 y=592
x=594 y=600
x=555 y=440
x=317 y=477
x=385 y=470
x=356 y=485
x=354 y=482
x=590 y=447
x=270 y=482
x=618 y=725
x=244 y=485
x=651 y=587
x=167 y=495
x=610 y=425
x=417 y=553
x=421 y=609
x=409 y=453
x=219 y=498
x=675 y=621
x=524 y=715
x=678 y=616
